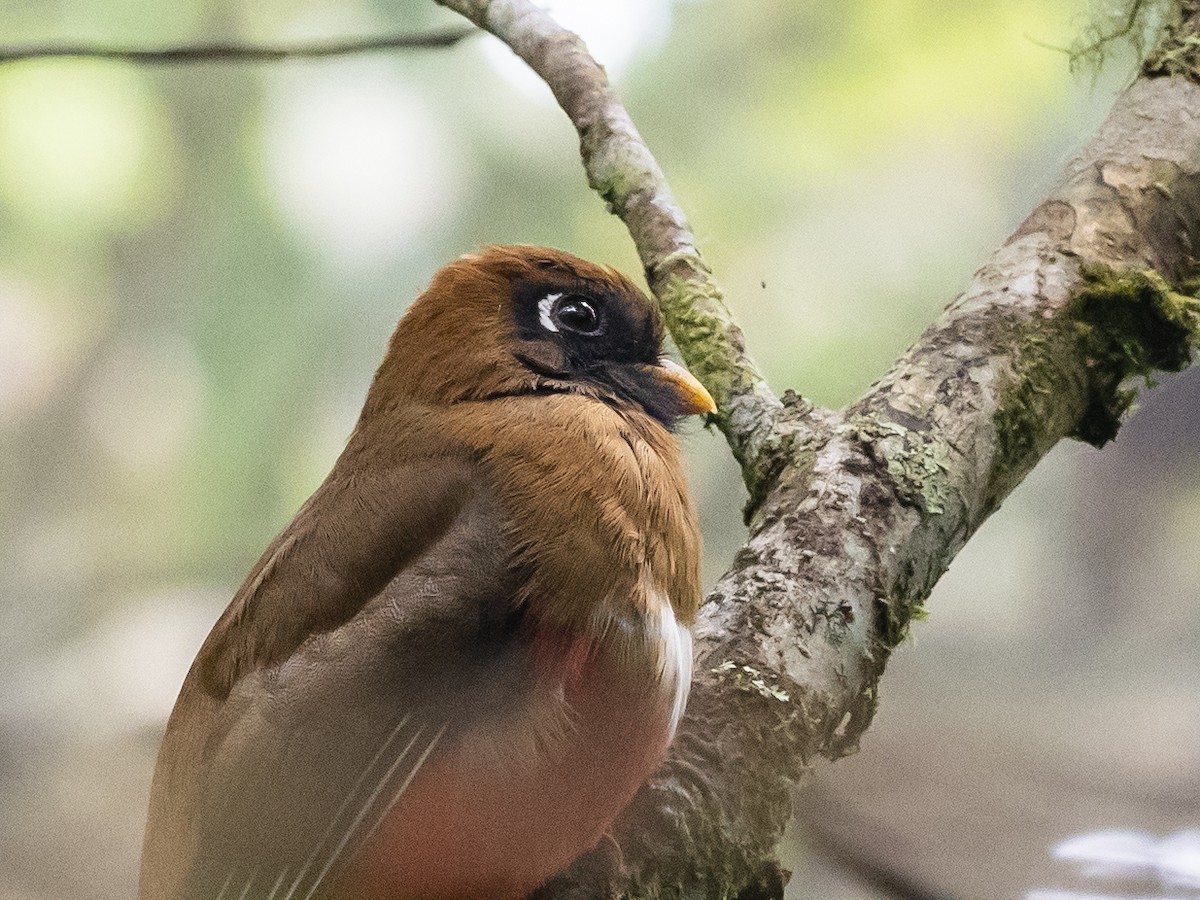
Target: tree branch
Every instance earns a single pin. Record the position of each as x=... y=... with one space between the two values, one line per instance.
x=227 y=52
x=860 y=511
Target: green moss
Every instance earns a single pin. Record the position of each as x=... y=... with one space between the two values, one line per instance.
x=1129 y=325
x=897 y=616
x=1178 y=49
x=687 y=305
x=1124 y=325
x=1020 y=420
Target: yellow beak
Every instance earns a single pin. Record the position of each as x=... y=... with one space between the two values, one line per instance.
x=695 y=399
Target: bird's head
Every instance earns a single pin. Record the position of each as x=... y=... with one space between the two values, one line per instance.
x=509 y=321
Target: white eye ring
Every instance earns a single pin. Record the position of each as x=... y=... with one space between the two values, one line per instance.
x=544 y=307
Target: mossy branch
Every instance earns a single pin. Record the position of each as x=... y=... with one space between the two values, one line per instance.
x=1129 y=325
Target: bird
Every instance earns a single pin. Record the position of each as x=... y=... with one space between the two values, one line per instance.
x=456 y=665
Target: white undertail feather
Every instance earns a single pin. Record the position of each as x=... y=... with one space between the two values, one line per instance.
x=249 y=882
x=368 y=814
x=675 y=659
x=370 y=801
x=399 y=792
x=352 y=796
x=278 y=884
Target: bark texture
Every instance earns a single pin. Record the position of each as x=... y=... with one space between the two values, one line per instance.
x=856 y=513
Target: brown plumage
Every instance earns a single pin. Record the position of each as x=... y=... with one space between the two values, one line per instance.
x=454 y=667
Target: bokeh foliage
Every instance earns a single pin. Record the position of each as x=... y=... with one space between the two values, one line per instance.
x=199 y=268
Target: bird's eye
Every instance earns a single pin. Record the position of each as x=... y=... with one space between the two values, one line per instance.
x=569 y=312
x=576 y=314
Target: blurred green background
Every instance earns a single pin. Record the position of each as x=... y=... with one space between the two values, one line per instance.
x=200 y=266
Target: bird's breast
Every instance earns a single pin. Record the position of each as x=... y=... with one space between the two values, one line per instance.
x=513 y=802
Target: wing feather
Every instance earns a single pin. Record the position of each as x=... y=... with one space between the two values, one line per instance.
x=329 y=682
x=351 y=537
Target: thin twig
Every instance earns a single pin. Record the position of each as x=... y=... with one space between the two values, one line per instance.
x=231 y=52
x=1102 y=39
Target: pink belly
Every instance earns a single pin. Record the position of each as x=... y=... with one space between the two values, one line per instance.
x=497 y=829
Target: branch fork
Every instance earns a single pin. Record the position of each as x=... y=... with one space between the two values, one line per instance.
x=855 y=514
